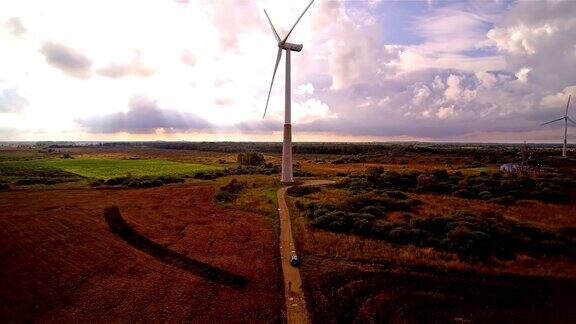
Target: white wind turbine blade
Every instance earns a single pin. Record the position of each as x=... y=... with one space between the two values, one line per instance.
x=271 y=25
x=552 y=121
x=568 y=104
x=272 y=82
x=291 y=29
x=570 y=119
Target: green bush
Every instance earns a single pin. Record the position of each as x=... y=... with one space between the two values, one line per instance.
x=230 y=191
x=377 y=212
x=251 y=158
x=299 y=191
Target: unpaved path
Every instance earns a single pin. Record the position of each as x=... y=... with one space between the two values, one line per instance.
x=296 y=311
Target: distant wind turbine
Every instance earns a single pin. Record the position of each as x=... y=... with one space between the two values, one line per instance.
x=287 y=143
x=566 y=119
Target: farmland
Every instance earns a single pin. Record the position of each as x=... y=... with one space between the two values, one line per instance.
x=102 y=168
x=408 y=233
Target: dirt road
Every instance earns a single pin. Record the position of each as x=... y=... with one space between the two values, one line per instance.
x=296 y=311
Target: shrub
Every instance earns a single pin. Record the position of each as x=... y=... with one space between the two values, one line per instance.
x=504 y=200
x=396 y=194
x=464 y=193
x=299 y=191
x=373 y=173
x=377 y=212
x=4 y=186
x=301 y=173
x=96 y=182
x=250 y=158
x=230 y=191
x=485 y=195
x=115 y=181
x=441 y=174
x=425 y=182
x=224 y=196
x=299 y=205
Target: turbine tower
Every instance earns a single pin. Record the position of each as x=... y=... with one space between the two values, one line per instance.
x=566 y=119
x=287 y=142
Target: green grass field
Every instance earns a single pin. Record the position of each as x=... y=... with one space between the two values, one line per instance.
x=99 y=168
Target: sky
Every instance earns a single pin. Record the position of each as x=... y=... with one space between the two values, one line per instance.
x=373 y=70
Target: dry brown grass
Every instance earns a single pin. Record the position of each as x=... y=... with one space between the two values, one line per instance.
x=544 y=214
x=349 y=247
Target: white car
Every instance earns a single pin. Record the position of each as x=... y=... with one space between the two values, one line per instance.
x=294 y=261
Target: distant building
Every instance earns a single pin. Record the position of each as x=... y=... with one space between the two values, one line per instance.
x=510 y=167
x=519 y=168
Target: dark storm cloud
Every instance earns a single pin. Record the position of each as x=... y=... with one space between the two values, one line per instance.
x=144 y=117
x=11 y=101
x=67 y=60
x=15 y=26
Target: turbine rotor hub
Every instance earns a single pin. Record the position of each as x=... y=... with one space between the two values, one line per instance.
x=291 y=47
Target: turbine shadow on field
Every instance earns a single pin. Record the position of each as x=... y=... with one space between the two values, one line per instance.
x=119 y=227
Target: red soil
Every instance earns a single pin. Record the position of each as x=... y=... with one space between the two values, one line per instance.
x=60 y=262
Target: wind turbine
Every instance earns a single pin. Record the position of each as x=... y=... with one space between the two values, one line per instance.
x=287 y=143
x=566 y=119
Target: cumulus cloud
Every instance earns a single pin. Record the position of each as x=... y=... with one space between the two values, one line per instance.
x=67 y=60
x=451 y=69
x=445 y=112
x=11 y=101
x=539 y=35
x=453 y=90
x=522 y=75
x=305 y=89
x=312 y=110
x=305 y=112
x=135 y=68
x=144 y=116
x=560 y=98
x=421 y=93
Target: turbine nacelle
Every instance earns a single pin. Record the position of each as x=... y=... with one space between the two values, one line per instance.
x=291 y=47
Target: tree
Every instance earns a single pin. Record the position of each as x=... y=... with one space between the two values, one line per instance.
x=250 y=158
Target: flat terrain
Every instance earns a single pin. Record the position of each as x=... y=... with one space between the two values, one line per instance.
x=59 y=262
x=105 y=168
x=410 y=233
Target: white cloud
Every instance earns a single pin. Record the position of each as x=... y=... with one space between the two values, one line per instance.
x=421 y=94
x=520 y=39
x=488 y=80
x=445 y=112
x=214 y=59
x=312 y=110
x=453 y=91
x=522 y=74
x=438 y=84
x=305 y=89
x=559 y=99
